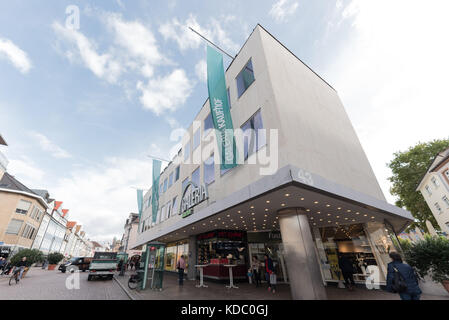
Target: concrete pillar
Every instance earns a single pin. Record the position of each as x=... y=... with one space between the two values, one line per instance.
x=303 y=270
x=191 y=272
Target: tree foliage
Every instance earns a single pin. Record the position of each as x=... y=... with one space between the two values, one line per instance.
x=429 y=257
x=32 y=255
x=408 y=168
x=55 y=257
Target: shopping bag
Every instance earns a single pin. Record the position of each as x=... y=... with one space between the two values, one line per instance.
x=273 y=278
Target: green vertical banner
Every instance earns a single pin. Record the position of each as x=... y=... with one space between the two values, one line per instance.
x=139 y=201
x=219 y=108
x=155 y=189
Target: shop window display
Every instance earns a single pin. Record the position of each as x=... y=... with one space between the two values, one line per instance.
x=350 y=240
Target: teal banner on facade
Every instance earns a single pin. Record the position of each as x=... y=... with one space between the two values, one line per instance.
x=139 y=201
x=155 y=189
x=219 y=108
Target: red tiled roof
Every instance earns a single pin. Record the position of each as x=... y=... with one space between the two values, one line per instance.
x=71 y=224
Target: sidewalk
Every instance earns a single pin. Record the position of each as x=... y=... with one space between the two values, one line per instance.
x=246 y=291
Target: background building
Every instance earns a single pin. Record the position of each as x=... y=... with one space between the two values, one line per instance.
x=130 y=236
x=434 y=187
x=21 y=213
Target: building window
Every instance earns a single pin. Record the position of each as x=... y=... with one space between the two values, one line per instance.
x=165 y=185
x=245 y=78
x=23 y=207
x=196 y=176
x=435 y=182
x=184 y=183
x=196 y=138
x=429 y=191
x=209 y=170
x=177 y=173
x=170 y=180
x=446 y=201
x=437 y=206
x=208 y=124
x=447 y=226
x=175 y=206
x=169 y=209
x=14 y=226
x=187 y=151
x=253 y=137
x=447 y=173
x=229 y=98
x=28 y=232
x=161 y=188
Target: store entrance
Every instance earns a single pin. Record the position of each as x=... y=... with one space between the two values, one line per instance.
x=350 y=241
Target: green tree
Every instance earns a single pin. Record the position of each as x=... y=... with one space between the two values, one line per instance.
x=55 y=257
x=408 y=169
x=32 y=255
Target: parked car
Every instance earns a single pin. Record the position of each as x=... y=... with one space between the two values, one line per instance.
x=103 y=265
x=76 y=263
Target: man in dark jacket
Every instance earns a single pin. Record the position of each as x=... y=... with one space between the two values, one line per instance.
x=269 y=270
x=347 y=270
x=413 y=292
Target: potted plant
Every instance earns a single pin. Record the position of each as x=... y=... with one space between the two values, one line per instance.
x=53 y=260
x=32 y=256
x=430 y=257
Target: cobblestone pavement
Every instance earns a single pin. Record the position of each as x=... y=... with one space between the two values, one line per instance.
x=246 y=291
x=51 y=285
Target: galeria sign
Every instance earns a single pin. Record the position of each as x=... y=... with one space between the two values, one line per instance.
x=191 y=196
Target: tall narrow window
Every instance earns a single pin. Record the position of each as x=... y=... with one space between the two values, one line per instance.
x=429 y=191
x=437 y=206
x=435 y=182
x=196 y=138
x=209 y=170
x=254 y=137
x=196 y=176
x=177 y=173
x=446 y=201
x=245 y=78
x=175 y=206
x=170 y=180
x=208 y=125
x=187 y=151
x=165 y=185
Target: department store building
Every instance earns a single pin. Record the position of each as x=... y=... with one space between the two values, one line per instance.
x=304 y=193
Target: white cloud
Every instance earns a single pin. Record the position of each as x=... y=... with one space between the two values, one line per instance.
x=187 y=39
x=26 y=172
x=47 y=145
x=139 y=42
x=201 y=70
x=282 y=9
x=166 y=93
x=15 y=55
x=102 y=65
x=100 y=198
x=392 y=76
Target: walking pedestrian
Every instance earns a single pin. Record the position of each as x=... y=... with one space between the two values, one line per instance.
x=2 y=263
x=270 y=275
x=347 y=269
x=255 y=270
x=181 y=265
x=402 y=279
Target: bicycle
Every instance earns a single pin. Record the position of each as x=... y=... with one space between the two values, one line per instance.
x=135 y=280
x=15 y=276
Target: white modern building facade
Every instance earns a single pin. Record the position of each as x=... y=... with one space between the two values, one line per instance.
x=435 y=189
x=305 y=192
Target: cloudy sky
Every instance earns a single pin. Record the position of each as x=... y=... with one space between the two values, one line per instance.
x=81 y=107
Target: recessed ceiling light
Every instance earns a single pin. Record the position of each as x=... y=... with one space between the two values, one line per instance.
x=311 y=218
x=302 y=198
x=365 y=215
x=339 y=208
x=252 y=213
x=328 y=221
x=265 y=215
x=307 y=210
x=357 y=212
x=265 y=221
x=314 y=224
x=318 y=212
x=282 y=204
x=328 y=214
x=346 y=218
x=254 y=218
x=348 y=210
x=223 y=222
x=277 y=217
x=287 y=194
x=228 y=215
x=372 y=217
x=219 y=218
x=268 y=201
x=338 y=217
x=315 y=202
x=321 y=219
x=252 y=207
x=328 y=205
x=266 y=209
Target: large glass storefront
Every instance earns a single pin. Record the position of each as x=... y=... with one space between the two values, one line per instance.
x=173 y=252
x=366 y=245
x=270 y=243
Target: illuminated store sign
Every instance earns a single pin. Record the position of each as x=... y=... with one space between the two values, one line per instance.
x=191 y=196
